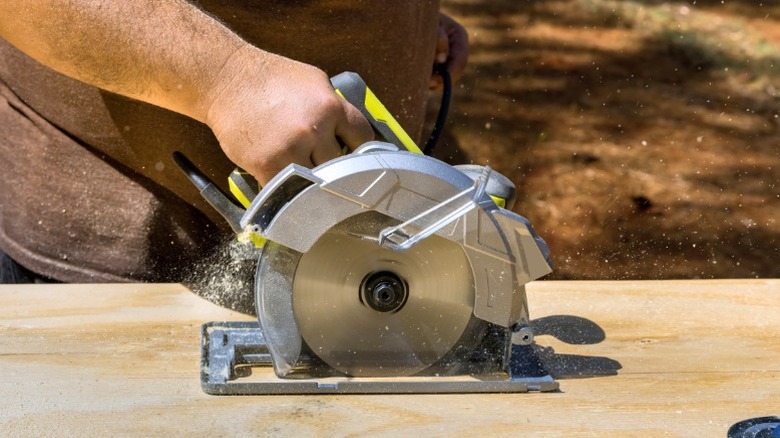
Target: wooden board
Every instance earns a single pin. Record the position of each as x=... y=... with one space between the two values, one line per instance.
x=673 y=358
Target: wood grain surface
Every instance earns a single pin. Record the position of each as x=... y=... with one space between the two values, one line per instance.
x=638 y=358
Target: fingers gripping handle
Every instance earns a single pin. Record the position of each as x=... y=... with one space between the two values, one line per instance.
x=354 y=90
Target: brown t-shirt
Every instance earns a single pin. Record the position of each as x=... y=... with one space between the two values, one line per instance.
x=88 y=190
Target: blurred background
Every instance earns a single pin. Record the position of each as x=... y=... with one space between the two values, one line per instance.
x=643 y=136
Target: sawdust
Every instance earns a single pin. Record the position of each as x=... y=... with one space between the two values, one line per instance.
x=226 y=276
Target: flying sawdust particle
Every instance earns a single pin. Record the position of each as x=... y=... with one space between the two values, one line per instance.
x=226 y=276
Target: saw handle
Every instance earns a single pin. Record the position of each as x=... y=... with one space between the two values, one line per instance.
x=351 y=87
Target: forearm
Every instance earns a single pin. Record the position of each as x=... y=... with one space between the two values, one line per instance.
x=165 y=52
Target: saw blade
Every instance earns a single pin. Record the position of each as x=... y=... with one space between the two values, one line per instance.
x=370 y=311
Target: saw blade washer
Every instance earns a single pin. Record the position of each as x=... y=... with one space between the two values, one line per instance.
x=384 y=291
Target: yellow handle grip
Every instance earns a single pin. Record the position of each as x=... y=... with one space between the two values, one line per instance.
x=351 y=87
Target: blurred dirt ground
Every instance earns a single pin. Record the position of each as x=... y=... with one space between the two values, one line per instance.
x=642 y=135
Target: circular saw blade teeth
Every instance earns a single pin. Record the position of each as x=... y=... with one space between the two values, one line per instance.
x=330 y=308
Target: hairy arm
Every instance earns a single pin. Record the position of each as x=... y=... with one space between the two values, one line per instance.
x=167 y=53
x=267 y=111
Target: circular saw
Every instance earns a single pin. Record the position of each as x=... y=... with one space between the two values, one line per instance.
x=381 y=264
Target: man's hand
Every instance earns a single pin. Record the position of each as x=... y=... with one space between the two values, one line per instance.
x=268 y=111
x=452 y=48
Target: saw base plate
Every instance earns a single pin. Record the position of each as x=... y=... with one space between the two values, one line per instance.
x=235 y=361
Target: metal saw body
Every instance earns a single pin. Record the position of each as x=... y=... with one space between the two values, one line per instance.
x=408 y=195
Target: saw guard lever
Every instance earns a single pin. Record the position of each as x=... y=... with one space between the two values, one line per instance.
x=397 y=238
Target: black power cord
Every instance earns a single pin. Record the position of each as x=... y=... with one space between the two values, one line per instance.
x=444 y=107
